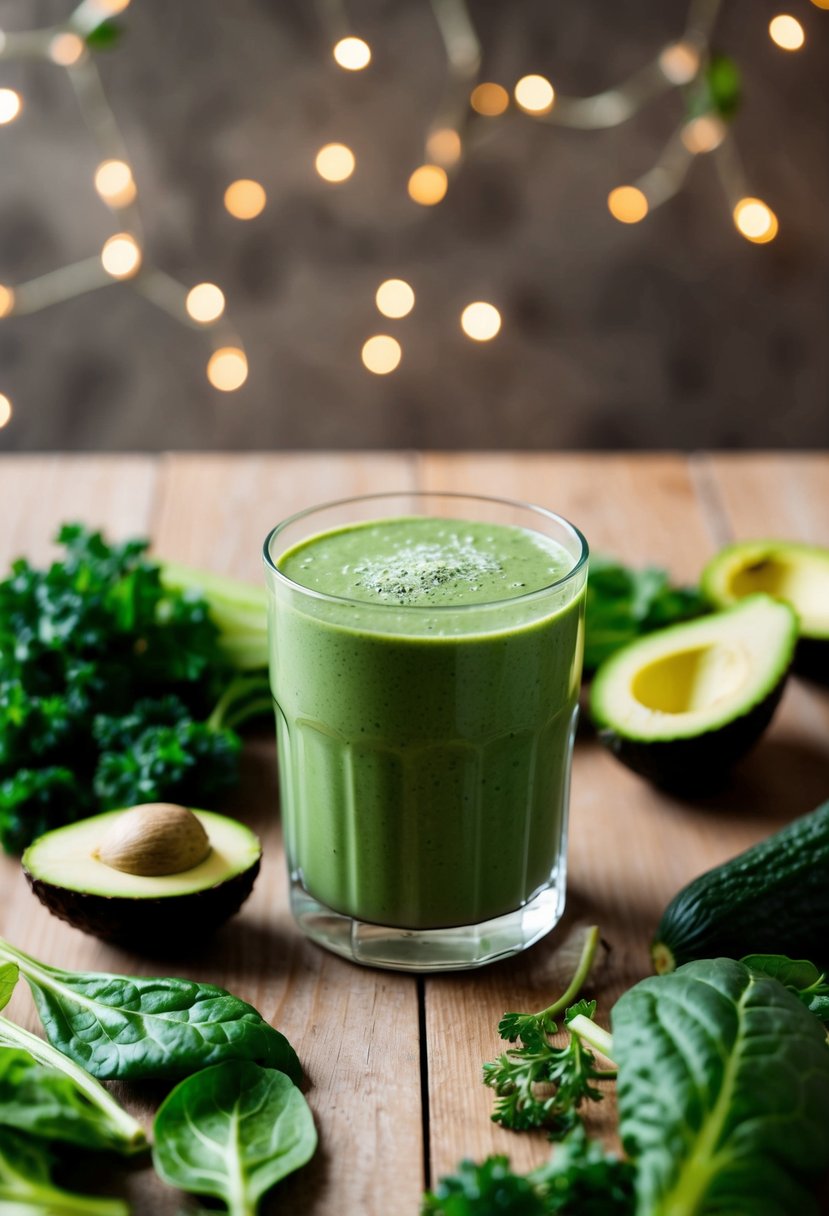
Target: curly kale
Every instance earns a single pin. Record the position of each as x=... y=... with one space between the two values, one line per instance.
x=108 y=675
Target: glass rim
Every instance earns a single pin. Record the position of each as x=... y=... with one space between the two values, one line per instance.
x=326 y=597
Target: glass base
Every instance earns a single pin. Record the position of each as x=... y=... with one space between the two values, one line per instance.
x=423 y=950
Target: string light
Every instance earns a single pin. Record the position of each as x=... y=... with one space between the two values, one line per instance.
x=11 y=104
x=703 y=134
x=535 y=94
x=66 y=49
x=824 y=4
x=428 y=185
x=480 y=321
x=245 y=199
x=787 y=32
x=5 y=410
x=335 y=163
x=444 y=146
x=489 y=99
x=205 y=303
x=6 y=300
x=395 y=298
x=756 y=221
x=627 y=204
x=227 y=369
x=114 y=182
x=679 y=62
x=381 y=354
x=353 y=54
x=121 y=256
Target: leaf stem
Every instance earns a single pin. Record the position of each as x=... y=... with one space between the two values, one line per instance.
x=597 y=1038
x=588 y=954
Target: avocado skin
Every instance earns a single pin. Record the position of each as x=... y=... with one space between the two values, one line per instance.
x=700 y=763
x=150 y=925
x=771 y=899
x=811 y=659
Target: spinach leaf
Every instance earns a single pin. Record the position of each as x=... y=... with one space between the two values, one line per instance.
x=125 y=1134
x=799 y=976
x=9 y=975
x=26 y=1183
x=46 y=1103
x=131 y=1027
x=232 y=1131
x=723 y=1093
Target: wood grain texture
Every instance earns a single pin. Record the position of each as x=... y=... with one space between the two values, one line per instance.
x=357 y=1031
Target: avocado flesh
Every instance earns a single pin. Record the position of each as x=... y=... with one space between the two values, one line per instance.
x=147 y=912
x=681 y=705
x=789 y=571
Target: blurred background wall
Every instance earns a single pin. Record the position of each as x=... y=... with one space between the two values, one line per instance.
x=674 y=331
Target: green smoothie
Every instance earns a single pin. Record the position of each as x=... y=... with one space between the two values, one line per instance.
x=425 y=716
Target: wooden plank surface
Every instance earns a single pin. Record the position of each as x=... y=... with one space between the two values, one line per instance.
x=631 y=847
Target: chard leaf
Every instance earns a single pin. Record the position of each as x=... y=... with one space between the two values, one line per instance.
x=26 y=1184
x=797 y=974
x=45 y=1103
x=132 y=1027
x=723 y=1093
x=232 y=1132
x=9 y=975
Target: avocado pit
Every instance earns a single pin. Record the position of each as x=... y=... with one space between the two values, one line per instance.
x=154 y=838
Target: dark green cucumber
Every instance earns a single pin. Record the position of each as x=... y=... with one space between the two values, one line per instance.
x=772 y=899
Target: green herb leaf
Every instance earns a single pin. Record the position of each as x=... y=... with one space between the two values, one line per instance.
x=9 y=975
x=26 y=1183
x=233 y=1131
x=129 y=1027
x=723 y=1092
x=46 y=1103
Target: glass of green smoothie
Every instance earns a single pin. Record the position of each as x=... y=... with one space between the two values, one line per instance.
x=426 y=655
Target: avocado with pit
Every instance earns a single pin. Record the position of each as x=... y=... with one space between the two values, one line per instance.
x=795 y=573
x=146 y=876
x=681 y=705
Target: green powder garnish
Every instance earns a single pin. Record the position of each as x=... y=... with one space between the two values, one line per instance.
x=412 y=572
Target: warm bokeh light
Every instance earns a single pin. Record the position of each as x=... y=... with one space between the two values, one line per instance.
x=11 y=104
x=679 y=62
x=335 y=163
x=535 y=94
x=245 y=199
x=395 y=298
x=121 y=256
x=480 y=321
x=444 y=146
x=111 y=7
x=704 y=134
x=787 y=32
x=353 y=54
x=227 y=369
x=755 y=220
x=824 y=4
x=66 y=49
x=114 y=182
x=5 y=410
x=205 y=303
x=428 y=185
x=489 y=99
x=627 y=204
x=6 y=300
x=381 y=354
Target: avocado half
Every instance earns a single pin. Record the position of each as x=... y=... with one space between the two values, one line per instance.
x=682 y=704
x=793 y=572
x=67 y=876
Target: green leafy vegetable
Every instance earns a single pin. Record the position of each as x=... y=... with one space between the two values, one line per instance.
x=799 y=976
x=125 y=1133
x=571 y=1070
x=26 y=1183
x=233 y=1131
x=129 y=1027
x=9 y=975
x=44 y=1102
x=723 y=1093
x=108 y=673
x=580 y=1180
x=622 y=604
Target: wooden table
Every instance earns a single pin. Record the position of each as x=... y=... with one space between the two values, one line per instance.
x=394 y=1062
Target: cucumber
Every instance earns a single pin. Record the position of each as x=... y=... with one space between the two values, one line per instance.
x=772 y=899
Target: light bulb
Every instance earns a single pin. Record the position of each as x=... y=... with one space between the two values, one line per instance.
x=227 y=369
x=395 y=298
x=114 y=182
x=335 y=163
x=489 y=99
x=5 y=410
x=381 y=354
x=121 y=256
x=245 y=199
x=11 y=104
x=353 y=54
x=535 y=94
x=205 y=303
x=787 y=32
x=480 y=321
x=627 y=204
x=6 y=300
x=755 y=220
x=428 y=185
